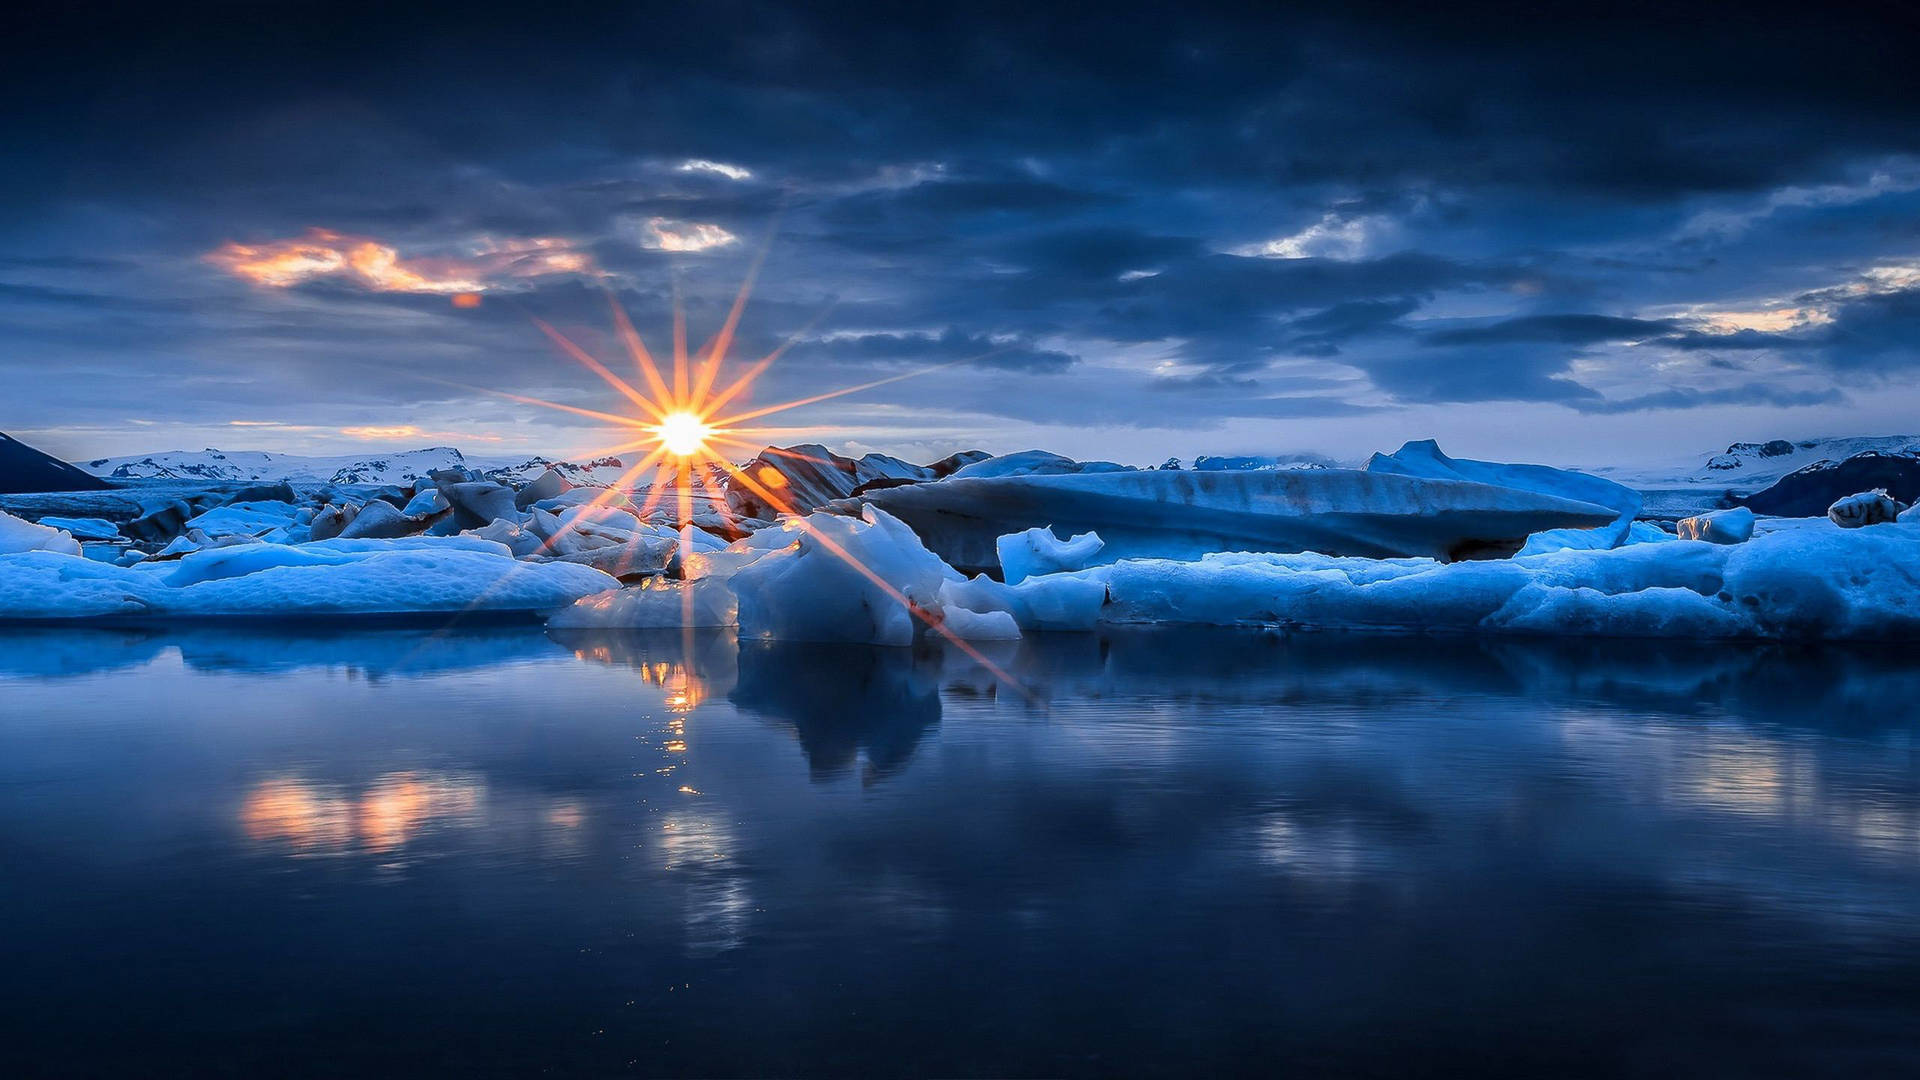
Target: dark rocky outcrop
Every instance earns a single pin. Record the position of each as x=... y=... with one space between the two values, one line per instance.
x=26 y=471
x=1808 y=492
x=280 y=492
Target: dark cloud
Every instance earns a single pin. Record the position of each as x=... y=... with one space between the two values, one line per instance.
x=1573 y=329
x=1486 y=202
x=1751 y=394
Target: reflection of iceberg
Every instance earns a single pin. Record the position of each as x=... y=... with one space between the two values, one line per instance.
x=692 y=666
x=842 y=700
x=1827 y=687
x=27 y=653
x=376 y=652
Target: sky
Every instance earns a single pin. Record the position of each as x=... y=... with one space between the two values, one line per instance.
x=1581 y=234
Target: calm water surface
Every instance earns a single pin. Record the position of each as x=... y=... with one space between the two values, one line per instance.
x=496 y=852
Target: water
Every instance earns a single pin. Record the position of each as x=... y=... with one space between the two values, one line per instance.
x=251 y=853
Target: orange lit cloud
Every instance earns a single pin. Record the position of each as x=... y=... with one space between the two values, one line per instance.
x=377 y=433
x=323 y=253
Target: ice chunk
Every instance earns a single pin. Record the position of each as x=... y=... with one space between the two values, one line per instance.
x=84 y=528
x=517 y=538
x=332 y=578
x=476 y=503
x=654 y=604
x=1733 y=526
x=842 y=579
x=1183 y=515
x=1063 y=601
x=1607 y=536
x=17 y=535
x=1822 y=583
x=1038 y=551
x=329 y=521
x=1867 y=508
x=978 y=625
x=243 y=519
x=808 y=476
x=381 y=521
x=545 y=486
x=426 y=500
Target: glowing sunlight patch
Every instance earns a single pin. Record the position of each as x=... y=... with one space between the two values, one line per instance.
x=683 y=433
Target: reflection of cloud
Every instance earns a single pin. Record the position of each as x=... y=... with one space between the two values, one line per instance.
x=313 y=817
x=323 y=253
x=661 y=234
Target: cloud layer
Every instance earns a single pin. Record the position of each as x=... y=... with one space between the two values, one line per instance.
x=1171 y=230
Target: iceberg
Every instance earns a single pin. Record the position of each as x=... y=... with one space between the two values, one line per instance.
x=19 y=536
x=867 y=579
x=84 y=528
x=1184 y=515
x=1866 y=508
x=1038 y=551
x=418 y=575
x=1814 y=581
x=1734 y=526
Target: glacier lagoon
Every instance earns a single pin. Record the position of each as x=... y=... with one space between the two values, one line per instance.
x=500 y=850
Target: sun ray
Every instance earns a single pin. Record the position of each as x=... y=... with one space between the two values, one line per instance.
x=626 y=389
x=760 y=366
x=729 y=421
x=593 y=414
x=679 y=346
x=717 y=350
x=641 y=357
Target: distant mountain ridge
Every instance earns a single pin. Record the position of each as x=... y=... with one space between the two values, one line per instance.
x=261 y=466
x=26 y=471
x=1750 y=466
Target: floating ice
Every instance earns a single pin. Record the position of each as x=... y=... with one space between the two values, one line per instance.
x=84 y=528
x=1733 y=526
x=339 y=577
x=1867 y=508
x=1812 y=580
x=17 y=535
x=1038 y=551
x=1183 y=515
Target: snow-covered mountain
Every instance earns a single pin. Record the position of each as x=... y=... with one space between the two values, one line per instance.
x=260 y=466
x=1748 y=467
x=601 y=471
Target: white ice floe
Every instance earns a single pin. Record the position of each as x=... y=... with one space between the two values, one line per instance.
x=243 y=519
x=18 y=536
x=84 y=528
x=1811 y=581
x=336 y=577
x=1867 y=508
x=1038 y=551
x=1734 y=526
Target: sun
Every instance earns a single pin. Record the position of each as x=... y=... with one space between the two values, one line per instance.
x=683 y=433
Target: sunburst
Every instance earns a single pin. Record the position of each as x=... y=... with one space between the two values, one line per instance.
x=686 y=429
